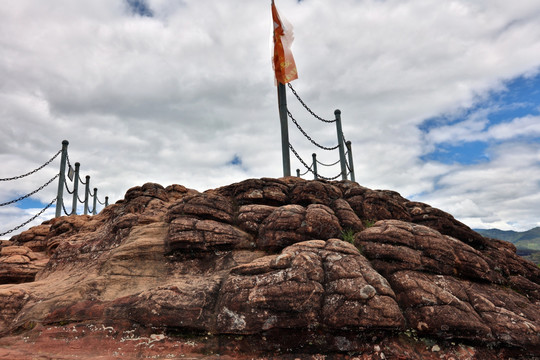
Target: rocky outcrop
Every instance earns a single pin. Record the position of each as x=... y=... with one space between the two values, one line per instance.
x=301 y=269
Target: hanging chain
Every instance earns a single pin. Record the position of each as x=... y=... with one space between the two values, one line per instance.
x=32 y=193
x=309 y=137
x=307 y=108
x=320 y=163
x=64 y=208
x=66 y=186
x=305 y=172
x=30 y=220
x=33 y=171
x=309 y=167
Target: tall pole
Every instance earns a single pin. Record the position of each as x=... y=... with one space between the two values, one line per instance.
x=351 y=165
x=282 y=103
x=94 y=212
x=341 y=145
x=315 y=176
x=86 y=192
x=75 y=189
x=61 y=179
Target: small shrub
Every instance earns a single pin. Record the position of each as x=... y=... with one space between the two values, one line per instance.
x=369 y=223
x=348 y=235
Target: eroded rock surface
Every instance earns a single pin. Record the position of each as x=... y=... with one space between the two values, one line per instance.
x=266 y=266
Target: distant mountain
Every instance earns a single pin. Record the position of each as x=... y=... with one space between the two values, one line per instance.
x=526 y=242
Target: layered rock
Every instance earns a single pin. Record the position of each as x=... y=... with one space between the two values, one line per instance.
x=269 y=266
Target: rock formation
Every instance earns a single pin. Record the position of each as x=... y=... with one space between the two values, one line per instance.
x=265 y=268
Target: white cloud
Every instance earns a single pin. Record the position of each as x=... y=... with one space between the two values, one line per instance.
x=173 y=98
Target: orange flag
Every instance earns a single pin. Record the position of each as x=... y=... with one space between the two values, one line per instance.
x=283 y=60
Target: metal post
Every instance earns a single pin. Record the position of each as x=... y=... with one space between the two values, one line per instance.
x=282 y=104
x=86 y=192
x=341 y=145
x=61 y=179
x=315 y=176
x=75 y=190
x=106 y=201
x=297 y=172
x=351 y=165
x=94 y=212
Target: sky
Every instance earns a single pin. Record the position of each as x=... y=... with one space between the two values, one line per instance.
x=440 y=99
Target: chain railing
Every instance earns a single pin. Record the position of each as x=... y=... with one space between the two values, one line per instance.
x=62 y=185
x=345 y=155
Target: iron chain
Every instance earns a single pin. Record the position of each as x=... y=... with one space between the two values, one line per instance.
x=64 y=208
x=307 y=108
x=29 y=220
x=307 y=136
x=309 y=167
x=67 y=189
x=33 y=171
x=32 y=193
x=323 y=164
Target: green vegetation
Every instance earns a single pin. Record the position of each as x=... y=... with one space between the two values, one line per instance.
x=348 y=235
x=369 y=223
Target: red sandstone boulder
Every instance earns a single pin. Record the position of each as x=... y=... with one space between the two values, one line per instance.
x=256 y=268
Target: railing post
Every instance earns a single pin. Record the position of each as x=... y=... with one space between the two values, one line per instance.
x=106 y=201
x=297 y=172
x=351 y=165
x=94 y=212
x=315 y=176
x=61 y=179
x=282 y=104
x=341 y=145
x=86 y=192
x=75 y=190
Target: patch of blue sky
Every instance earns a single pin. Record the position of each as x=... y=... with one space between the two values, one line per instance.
x=30 y=203
x=236 y=161
x=467 y=153
x=140 y=7
x=520 y=98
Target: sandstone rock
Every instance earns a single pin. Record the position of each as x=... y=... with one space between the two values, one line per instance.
x=204 y=206
x=396 y=245
x=445 y=224
x=264 y=191
x=19 y=264
x=376 y=205
x=254 y=268
x=250 y=217
x=310 y=284
x=293 y=223
x=314 y=192
x=189 y=234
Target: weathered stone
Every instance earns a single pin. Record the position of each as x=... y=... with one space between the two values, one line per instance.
x=314 y=192
x=293 y=223
x=309 y=284
x=396 y=245
x=255 y=268
x=444 y=223
x=373 y=205
x=189 y=234
x=346 y=215
x=264 y=191
x=250 y=217
x=207 y=206
x=19 y=264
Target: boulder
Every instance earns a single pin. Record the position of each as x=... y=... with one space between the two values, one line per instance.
x=286 y=267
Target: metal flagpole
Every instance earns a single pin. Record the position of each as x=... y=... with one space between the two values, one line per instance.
x=282 y=103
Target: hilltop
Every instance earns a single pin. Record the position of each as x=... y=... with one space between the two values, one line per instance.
x=262 y=269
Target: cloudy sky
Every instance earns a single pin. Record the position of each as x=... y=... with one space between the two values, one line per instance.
x=441 y=99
